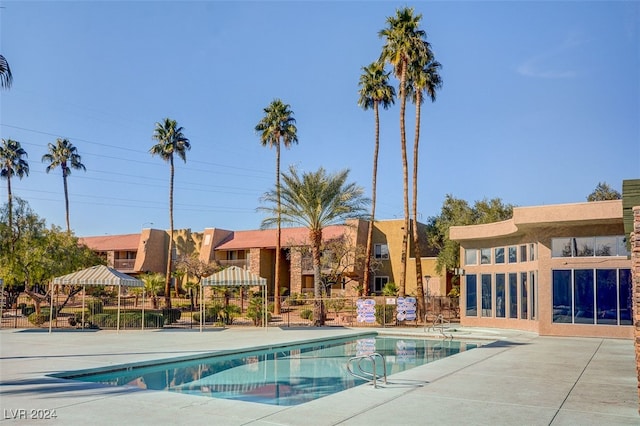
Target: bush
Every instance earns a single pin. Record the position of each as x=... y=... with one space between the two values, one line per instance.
x=27 y=309
x=95 y=306
x=38 y=319
x=171 y=315
x=385 y=314
x=134 y=320
x=255 y=311
x=212 y=313
x=306 y=314
x=296 y=299
x=104 y=320
x=229 y=313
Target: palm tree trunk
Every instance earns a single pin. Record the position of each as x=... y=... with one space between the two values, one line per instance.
x=405 y=180
x=167 y=285
x=416 y=235
x=66 y=196
x=10 y=206
x=318 y=305
x=276 y=283
x=367 y=260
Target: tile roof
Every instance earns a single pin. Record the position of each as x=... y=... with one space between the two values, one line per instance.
x=267 y=238
x=112 y=242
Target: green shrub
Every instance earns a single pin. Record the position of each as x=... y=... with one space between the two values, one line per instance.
x=385 y=314
x=255 y=311
x=229 y=313
x=27 y=309
x=296 y=299
x=171 y=315
x=38 y=319
x=306 y=314
x=104 y=320
x=134 y=320
x=95 y=306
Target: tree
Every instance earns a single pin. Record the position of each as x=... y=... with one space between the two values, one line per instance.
x=457 y=212
x=375 y=90
x=65 y=155
x=153 y=283
x=403 y=42
x=423 y=76
x=5 y=73
x=192 y=266
x=604 y=192
x=12 y=163
x=276 y=127
x=171 y=141
x=314 y=201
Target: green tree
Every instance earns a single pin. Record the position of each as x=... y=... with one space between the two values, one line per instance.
x=403 y=41
x=458 y=212
x=375 y=90
x=5 y=73
x=153 y=283
x=275 y=128
x=65 y=155
x=171 y=142
x=314 y=200
x=423 y=77
x=192 y=266
x=12 y=163
x=604 y=192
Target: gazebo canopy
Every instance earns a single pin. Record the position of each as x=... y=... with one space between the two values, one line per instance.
x=234 y=276
x=98 y=275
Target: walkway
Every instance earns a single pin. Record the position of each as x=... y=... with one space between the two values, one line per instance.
x=520 y=378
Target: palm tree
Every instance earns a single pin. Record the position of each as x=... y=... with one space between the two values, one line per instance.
x=65 y=155
x=424 y=77
x=152 y=286
x=314 y=200
x=171 y=141
x=277 y=126
x=403 y=41
x=12 y=163
x=5 y=73
x=375 y=90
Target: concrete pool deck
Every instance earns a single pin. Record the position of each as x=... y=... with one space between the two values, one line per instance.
x=513 y=378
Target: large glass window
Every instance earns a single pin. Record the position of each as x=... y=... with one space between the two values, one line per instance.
x=470 y=257
x=485 y=256
x=561 y=247
x=472 y=296
x=498 y=255
x=622 y=246
x=513 y=254
x=606 y=296
x=523 y=253
x=500 y=296
x=585 y=246
x=532 y=252
x=532 y=291
x=562 y=305
x=381 y=251
x=523 y=295
x=625 y=296
x=606 y=246
x=513 y=295
x=486 y=296
x=583 y=296
x=589 y=246
x=379 y=283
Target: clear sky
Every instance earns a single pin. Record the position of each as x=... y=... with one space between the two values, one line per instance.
x=540 y=103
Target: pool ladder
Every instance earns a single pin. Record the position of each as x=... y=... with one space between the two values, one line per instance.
x=362 y=373
x=439 y=323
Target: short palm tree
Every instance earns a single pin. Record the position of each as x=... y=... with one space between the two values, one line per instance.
x=403 y=41
x=276 y=127
x=375 y=90
x=314 y=200
x=12 y=163
x=152 y=285
x=65 y=155
x=171 y=141
x=5 y=73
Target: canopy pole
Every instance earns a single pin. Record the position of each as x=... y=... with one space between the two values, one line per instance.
x=143 y=308
x=50 y=304
x=3 y=299
x=84 y=293
x=118 y=320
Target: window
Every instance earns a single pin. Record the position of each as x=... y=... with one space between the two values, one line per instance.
x=486 y=296
x=472 y=296
x=622 y=246
x=625 y=296
x=498 y=254
x=523 y=253
x=606 y=246
x=562 y=296
x=606 y=296
x=470 y=257
x=500 y=296
x=583 y=296
x=381 y=251
x=485 y=256
x=523 y=295
x=513 y=295
x=379 y=283
x=561 y=247
x=584 y=246
x=513 y=254
x=532 y=252
x=532 y=292
x=601 y=246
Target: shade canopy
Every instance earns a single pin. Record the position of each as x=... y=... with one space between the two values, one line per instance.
x=234 y=276
x=98 y=275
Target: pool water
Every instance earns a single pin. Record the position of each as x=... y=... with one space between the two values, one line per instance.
x=286 y=375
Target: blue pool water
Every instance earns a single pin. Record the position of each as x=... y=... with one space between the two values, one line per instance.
x=284 y=375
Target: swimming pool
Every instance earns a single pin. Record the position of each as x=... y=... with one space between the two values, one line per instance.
x=279 y=375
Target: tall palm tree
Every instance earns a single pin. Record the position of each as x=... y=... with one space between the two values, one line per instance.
x=12 y=163
x=277 y=126
x=65 y=155
x=375 y=90
x=5 y=73
x=171 y=141
x=314 y=200
x=423 y=75
x=403 y=41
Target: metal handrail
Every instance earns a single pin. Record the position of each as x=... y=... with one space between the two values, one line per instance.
x=438 y=323
x=364 y=374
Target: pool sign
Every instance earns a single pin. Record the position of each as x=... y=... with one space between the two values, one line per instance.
x=366 y=310
x=406 y=309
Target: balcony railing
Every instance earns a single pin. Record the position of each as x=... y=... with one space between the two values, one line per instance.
x=240 y=263
x=124 y=264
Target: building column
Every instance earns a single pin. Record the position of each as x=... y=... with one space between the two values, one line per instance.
x=635 y=284
x=295 y=275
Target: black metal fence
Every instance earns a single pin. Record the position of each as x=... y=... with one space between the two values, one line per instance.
x=217 y=311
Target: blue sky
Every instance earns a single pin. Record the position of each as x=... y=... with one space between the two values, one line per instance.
x=540 y=103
